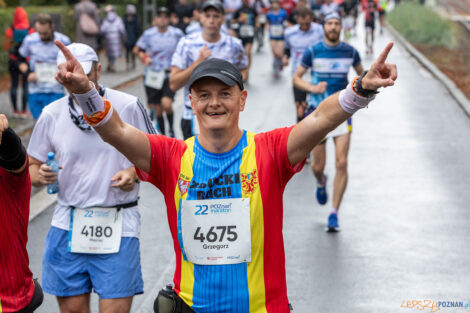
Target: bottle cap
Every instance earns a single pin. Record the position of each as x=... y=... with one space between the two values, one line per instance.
x=50 y=155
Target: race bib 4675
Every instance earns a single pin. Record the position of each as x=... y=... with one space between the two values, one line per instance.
x=214 y=232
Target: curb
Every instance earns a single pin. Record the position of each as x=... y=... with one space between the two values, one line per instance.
x=454 y=91
x=42 y=200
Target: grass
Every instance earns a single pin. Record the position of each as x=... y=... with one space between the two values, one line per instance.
x=422 y=25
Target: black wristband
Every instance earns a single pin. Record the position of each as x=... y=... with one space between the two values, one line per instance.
x=287 y=52
x=361 y=91
x=12 y=152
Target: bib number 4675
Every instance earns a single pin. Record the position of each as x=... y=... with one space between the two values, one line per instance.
x=217 y=233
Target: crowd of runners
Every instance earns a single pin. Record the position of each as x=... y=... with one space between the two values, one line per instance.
x=223 y=186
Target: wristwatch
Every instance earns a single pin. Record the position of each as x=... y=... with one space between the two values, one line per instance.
x=361 y=91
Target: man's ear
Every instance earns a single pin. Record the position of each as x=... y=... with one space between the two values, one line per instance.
x=191 y=101
x=243 y=96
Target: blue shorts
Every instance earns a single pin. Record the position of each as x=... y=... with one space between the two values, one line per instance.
x=66 y=274
x=37 y=102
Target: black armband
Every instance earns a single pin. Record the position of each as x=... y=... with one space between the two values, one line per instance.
x=287 y=52
x=12 y=152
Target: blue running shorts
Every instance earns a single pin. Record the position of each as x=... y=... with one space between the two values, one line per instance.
x=65 y=274
x=38 y=101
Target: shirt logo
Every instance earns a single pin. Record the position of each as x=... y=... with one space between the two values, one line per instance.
x=183 y=185
x=249 y=182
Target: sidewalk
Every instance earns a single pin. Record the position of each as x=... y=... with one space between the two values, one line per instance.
x=111 y=80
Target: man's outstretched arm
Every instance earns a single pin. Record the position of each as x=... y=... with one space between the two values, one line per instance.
x=337 y=108
x=128 y=140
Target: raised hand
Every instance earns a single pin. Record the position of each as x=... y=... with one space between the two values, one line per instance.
x=3 y=125
x=70 y=74
x=381 y=74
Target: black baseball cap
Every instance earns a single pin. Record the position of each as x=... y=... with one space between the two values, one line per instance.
x=213 y=4
x=220 y=69
x=164 y=10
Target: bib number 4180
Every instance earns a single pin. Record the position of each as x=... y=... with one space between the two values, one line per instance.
x=217 y=233
x=97 y=231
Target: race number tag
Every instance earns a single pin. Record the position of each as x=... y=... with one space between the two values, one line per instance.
x=276 y=30
x=215 y=232
x=154 y=79
x=46 y=72
x=247 y=31
x=262 y=18
x=95 y=230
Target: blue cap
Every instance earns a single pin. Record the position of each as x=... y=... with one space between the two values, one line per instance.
x=51 y=155
x=332 y=15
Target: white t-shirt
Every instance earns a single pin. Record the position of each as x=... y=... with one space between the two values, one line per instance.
x=88 y=163
x=160 y=46
x=297 y=41
x=227 y=48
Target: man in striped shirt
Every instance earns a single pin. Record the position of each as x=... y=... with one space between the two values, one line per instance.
x=18 y=291
x=330 y=61
x=223 y=188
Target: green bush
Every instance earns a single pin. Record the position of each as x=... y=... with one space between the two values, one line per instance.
x=422 y=25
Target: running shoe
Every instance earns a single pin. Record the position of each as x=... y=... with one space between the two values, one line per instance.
x=322 y=196
x=332 y=225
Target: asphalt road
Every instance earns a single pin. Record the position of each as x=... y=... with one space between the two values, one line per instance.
x=404 y=216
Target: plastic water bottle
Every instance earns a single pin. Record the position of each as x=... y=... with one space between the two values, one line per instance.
x=54 y=164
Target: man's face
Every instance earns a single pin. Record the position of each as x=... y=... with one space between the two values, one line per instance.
x=162 y=20
x=304 y=22
x=216 y=105
x=275 y=5
x=332 y=29
x=211 y=21
x=44 y=31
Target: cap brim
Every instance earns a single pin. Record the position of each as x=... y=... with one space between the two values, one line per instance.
x=87 y=66
x=209 y=6
x=223 y=78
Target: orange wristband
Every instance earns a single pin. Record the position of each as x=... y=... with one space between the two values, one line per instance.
x=98 y=117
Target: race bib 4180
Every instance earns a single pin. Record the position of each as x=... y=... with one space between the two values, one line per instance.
x=214 y=232
x=95 y=230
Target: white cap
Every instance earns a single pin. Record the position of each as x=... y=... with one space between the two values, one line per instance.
x=84 y=54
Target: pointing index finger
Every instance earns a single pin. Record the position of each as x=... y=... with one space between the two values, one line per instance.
x=68 y=55
x=383 y=56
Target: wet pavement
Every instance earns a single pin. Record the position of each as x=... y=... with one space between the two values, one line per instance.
x=404 y=216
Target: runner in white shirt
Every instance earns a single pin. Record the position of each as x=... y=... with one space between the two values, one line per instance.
x=195 y=25
x=195 y=48
x=230 y=7
x=297 y=39
x=156 y=47
x=39 y=47
x=329 y=7
x=93 y=240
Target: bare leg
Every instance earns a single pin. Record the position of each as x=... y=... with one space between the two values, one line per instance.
x=74 y=304
x=118 y=305
x=341 y=177
x=167 y=107
x=319 y=161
